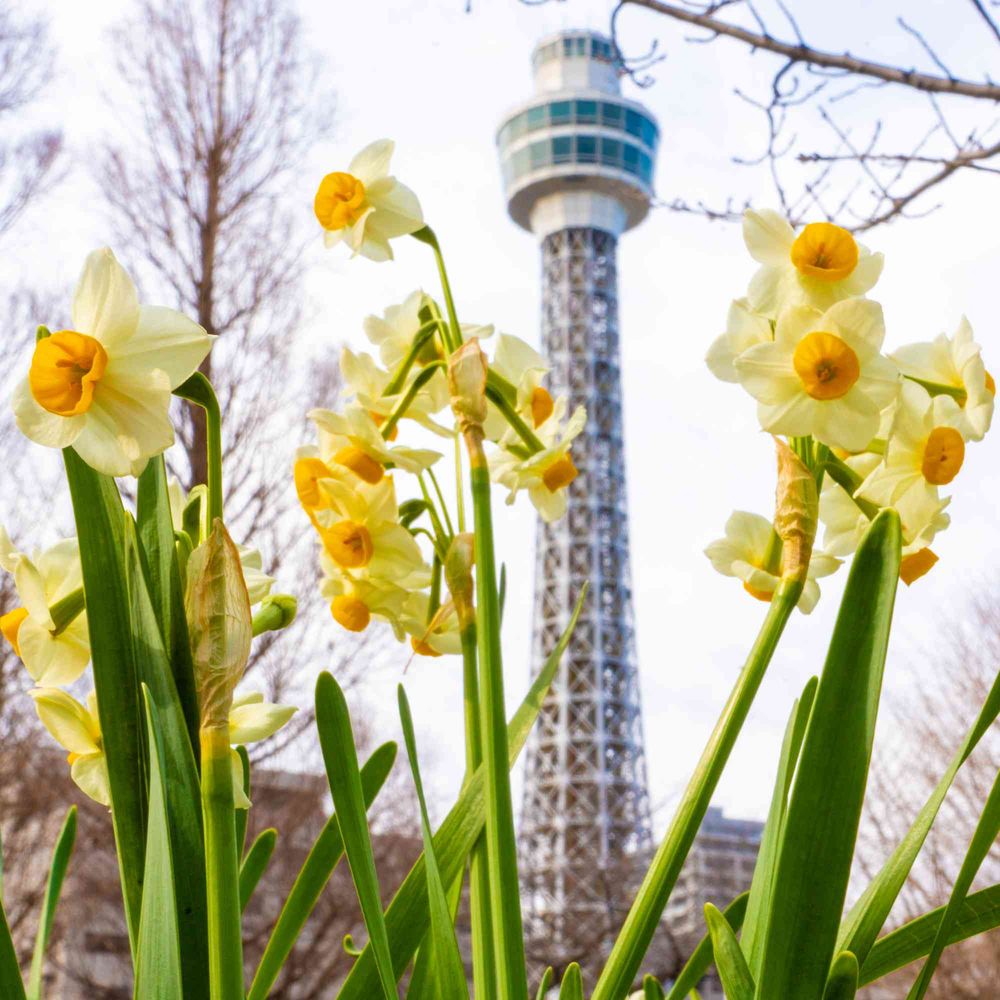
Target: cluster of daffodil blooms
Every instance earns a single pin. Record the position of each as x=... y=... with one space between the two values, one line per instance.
x=372 y=563
x=888 y=429
x=104 y=389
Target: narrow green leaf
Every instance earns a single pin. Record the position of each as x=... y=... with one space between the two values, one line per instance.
x=11 y=984
x=697 y=965
x=861 y=926
x=729 y=958
x=571 y=987
x=333 y=720
x=983 y=839
x=407 y=916
x=323 y=857
x=255 y=863
x=100 y=527
x=652 y=989
x=446 y=972
x=842 y=983
x=980 y=912
x=243 y=815
x=183 y=816
x=759 y=903
x=828 y=791
x=156 y=533
x=545 y=984
x=57 y=872
x=158 y=951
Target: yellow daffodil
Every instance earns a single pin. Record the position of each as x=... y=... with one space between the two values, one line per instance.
x=258 y=583
x=438 y=636
x=744 y=329
x=104 y=386
x=817 y=267
x=823 y=374
x=352 y=439
x=252 y=719
x=51 y=656
x=366 y=207
x=955 y=362
x=393 y=332
x=546 y=474
x=76 y=728
x=925 y=450
x=744 y=552
x=524 y=368
x=921 y=515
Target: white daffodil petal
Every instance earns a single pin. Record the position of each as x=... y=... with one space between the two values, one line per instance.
x=254 y=721
x=90 y=773
x=372 y=163
x=54 y=660
x=767 y=235
x=68 y=722
x=240 y=800
x=48 y=429
x=164 y=339
x=106 y=305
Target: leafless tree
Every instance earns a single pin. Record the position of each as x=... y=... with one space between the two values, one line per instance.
x=923 y=732
x=896 y=132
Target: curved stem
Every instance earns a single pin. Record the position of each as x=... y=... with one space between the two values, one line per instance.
x=420 y=338
x=399 y=410
x=428 y=236
x=198 y=390
x=510 y=414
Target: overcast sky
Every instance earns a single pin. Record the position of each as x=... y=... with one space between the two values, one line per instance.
x=438 y=81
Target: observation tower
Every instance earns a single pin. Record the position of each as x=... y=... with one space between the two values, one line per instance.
x=577 y=161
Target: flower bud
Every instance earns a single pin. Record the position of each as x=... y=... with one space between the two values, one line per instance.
x=467 y=384
x=796 y=513
x=217 y=607
x=275 y=613
x=458 y=575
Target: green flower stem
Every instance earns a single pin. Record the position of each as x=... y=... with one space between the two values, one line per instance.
x=510 y=414
x=643 y=919
x=428 y=236
x=459 y=490
x=940 y=389
x=440 y=496
x=442 y=539
x=420 y=338
x=501 y=849
x=483 y=963
x=497 y=381
x=225 y=946
x=399 y=410
x=67 y=610
x=198 y=390
x=844 y=476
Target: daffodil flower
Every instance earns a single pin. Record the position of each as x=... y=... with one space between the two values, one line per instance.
x=744 y=329
x=743 y=554
x=51 y=656
x=925 y=450
x=437 y=637
x=76 y=728
x=547 y=473
x=366 y=207
x=921 y=515
x=104 y=387
x=955 y=362
x=823 y=374
x=819 y=266
x=524 y=368
x=352 y=439
x=252 y=719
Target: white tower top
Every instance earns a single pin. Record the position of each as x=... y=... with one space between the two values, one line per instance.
x=577 y=154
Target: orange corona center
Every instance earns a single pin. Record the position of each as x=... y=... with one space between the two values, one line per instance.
x=340 y=201
x=308 y=473
x=991 y=386
x=65 y=370
x=349 y=544
x=559 y=474
x=541 y=406
x=944 y=453
x=360 y=463
x=10 y=625
x=761 y=595
x=825 y=251
x=421 y=648
x=915 y=565
x=826 y=366
x=350 y=612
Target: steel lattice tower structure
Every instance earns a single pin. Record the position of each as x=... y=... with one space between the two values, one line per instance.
x=577 y=163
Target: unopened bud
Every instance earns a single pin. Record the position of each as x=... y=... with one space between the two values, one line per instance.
x=275 y=613
x=217 y=607
x=467 y=385
x=458 y=565
x=796 y=513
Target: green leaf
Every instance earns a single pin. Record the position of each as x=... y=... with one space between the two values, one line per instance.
x=323 y=857
x=545 y=984
x=57 y=872
x=825 y=806
x=983 y=839
x=255 y=863
x=156 y=533
x=868 y=915
x=100 y=527
x=980 y=912
x=407 y=916
x=184 y=816
x=698 y=964
x=652 y=989
x=158 y=951
x=729 y=958
x=11 y=984
x=842 y=983
x=336 y=737
x=759 y=903
x=571 y=987
x=446 y=973
x=243 y=815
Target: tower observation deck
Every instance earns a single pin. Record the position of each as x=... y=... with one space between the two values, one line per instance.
x=577 y=162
